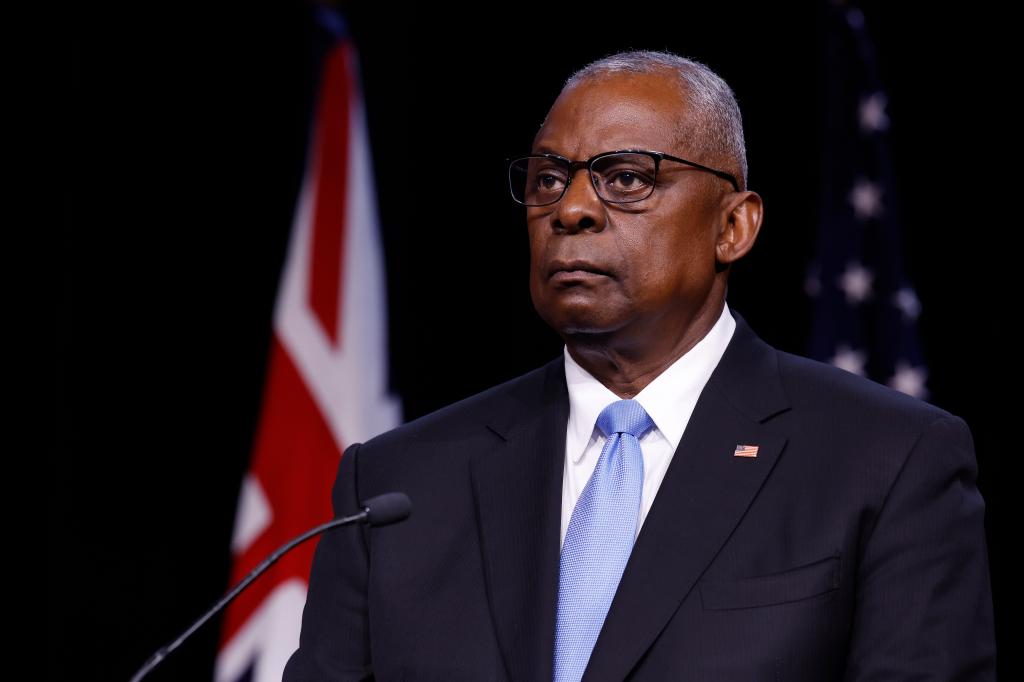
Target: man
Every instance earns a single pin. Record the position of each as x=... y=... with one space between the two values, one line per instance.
x=792 y=521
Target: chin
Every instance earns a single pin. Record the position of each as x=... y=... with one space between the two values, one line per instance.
x=580 y=311
x=581 y=322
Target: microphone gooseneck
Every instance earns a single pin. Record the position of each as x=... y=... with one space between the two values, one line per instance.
x=381 y=510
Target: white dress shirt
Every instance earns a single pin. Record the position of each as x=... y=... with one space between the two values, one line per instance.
x=669 y=400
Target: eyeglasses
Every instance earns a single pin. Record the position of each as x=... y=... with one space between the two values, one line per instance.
x=618 y=177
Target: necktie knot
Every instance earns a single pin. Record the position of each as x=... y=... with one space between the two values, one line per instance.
x=624 y=416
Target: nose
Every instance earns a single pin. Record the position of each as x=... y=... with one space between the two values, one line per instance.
x=579 y=208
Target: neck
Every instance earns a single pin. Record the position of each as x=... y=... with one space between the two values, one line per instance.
x=627 y=361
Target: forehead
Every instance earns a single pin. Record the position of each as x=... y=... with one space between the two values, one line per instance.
x=619 y=111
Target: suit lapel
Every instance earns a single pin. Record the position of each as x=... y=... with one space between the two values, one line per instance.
x=518 y=490
x=705 y=493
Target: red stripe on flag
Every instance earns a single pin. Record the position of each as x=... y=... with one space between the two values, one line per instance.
x=295 y=458
x=330 y=154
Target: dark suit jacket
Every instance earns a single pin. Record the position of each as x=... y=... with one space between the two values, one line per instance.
x=851 y=548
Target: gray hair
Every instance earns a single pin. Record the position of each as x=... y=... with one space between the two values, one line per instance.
x=715 y=128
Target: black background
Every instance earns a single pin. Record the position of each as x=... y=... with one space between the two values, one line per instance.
x=182 y=135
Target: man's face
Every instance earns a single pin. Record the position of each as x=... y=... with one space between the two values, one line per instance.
x=647 y=266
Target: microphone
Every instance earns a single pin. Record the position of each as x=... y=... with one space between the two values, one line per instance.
x=381 y=510
x=386 y=509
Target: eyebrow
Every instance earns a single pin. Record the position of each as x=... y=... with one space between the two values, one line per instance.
x=546 y=150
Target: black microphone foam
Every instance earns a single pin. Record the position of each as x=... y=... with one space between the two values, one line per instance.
x=387 y=508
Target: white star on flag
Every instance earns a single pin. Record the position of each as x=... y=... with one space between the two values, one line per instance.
x=906 y=300
x=866 y=198
x=850 y=360
x=872 y=112
x=910 y=380
x=855 y=282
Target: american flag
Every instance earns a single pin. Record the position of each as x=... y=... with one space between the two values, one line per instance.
x=746 y=451
x=327 y=380
x=865 y=307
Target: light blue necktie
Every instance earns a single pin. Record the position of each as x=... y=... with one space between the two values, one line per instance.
x=600 y=537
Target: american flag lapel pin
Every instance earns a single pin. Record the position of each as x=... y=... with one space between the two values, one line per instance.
x=745 y=451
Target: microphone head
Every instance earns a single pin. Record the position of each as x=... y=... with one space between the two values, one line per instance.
x=387 y=508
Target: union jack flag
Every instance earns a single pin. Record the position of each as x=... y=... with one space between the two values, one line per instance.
x=327 y=380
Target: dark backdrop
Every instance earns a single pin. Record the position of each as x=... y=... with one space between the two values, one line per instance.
x=183 y=133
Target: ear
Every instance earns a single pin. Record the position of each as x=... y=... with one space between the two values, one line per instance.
x=742 y=213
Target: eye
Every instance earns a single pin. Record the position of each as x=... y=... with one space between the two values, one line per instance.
x=626 y=184
x=549 y=181
x=548 y=177
x=625 y=176
x=628 y=180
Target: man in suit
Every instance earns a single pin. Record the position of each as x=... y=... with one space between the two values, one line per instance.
x=781 y=519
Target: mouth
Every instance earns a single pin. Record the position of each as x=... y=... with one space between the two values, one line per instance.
x=576 y=270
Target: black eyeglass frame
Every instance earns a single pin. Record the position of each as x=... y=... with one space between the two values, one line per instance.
x=589 y=163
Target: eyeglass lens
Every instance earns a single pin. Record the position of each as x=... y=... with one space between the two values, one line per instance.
x=618 y=178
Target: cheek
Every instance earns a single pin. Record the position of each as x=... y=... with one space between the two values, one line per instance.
x=537 y=247
x=538 y=223
x=650 y=251
x=665 y=257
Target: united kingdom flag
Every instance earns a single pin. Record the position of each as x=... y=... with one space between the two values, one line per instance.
x=327 y=378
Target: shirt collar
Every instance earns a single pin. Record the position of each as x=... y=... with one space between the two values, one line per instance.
x=671 y=394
